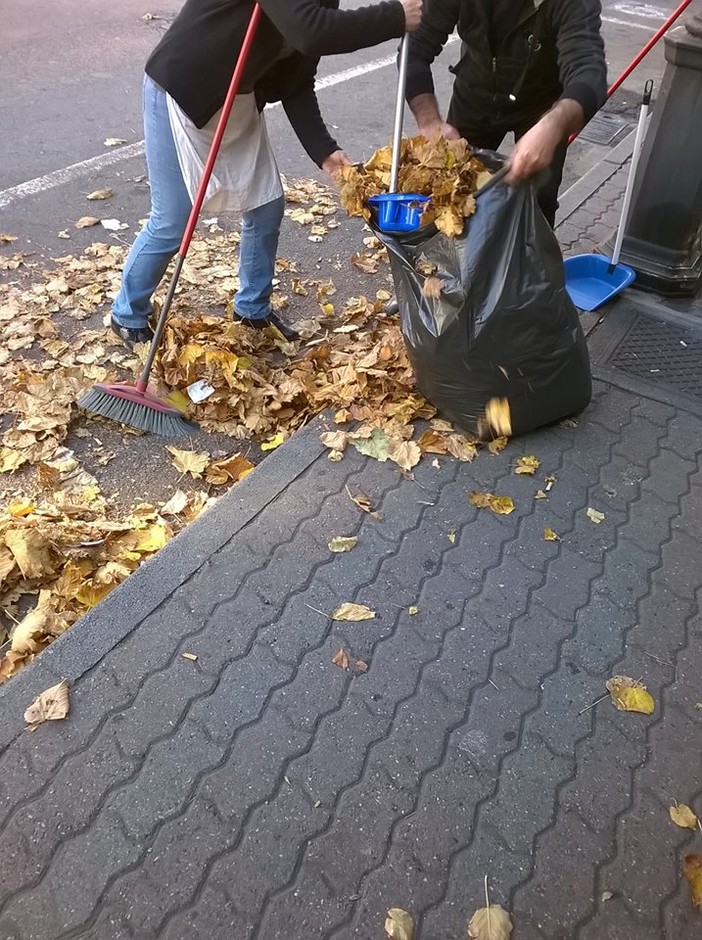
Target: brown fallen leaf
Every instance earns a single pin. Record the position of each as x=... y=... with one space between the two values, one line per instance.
x=343 y=543
x=692 y=870
x=539 y=494
x=550 y=535
x=606 y=896
x=341 y=660
x=406 y=454
x=628 y=695
x=363 y=503
x=5 y=239
x=683 y=816
x=51 y=705
x=361 y=666
x=228 y=470
x=399 y=924
x=334 y=440
x=353 y=612
x=87 y=221
x=490 y=923
x=527 y=465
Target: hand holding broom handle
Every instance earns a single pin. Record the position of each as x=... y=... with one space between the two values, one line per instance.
x=200 y=194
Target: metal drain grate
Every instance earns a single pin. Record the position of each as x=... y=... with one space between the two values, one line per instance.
x=662 y=353
x=603 y=129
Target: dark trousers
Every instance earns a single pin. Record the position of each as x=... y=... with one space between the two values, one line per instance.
x=548 y=191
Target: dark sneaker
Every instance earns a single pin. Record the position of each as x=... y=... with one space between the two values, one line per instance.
x=391 y=307
x=260 y=323
x=130 y=336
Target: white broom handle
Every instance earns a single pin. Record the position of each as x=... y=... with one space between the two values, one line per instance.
x=399 y=114
x=636 y=153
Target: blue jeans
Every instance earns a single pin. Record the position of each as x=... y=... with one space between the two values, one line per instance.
x=160 y=238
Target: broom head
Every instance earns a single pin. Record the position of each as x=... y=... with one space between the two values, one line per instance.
x=140 y=410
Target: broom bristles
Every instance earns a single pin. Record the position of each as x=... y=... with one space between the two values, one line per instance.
x=137 y=415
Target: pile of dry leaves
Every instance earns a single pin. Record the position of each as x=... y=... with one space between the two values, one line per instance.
x=445 y=170
x=63 y=545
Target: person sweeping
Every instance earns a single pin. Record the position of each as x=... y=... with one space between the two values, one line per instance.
x=185 y=85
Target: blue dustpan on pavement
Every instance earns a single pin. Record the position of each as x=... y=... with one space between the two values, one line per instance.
x=592 y=280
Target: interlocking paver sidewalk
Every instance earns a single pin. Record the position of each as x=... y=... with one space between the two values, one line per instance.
x=262 y=792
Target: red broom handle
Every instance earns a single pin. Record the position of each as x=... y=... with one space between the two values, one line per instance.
x=221 y=127
x=644 y=52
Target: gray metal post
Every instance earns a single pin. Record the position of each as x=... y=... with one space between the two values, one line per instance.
x=663 y=240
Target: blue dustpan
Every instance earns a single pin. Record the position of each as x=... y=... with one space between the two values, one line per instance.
x=592 y=280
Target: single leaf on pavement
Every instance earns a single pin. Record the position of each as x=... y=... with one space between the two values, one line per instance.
x=692 y=870
x=399 y=924
x=412 y=611
x=228 y=470
x=341 y=660
x=51 y=705
x=188 y=461
x=100 y=194
x=490 y=923
x=363 y=503
x=406 y=454
x=273 y=442
x=550 y=535
x=87 y=221
x=375 y=445
x=498 y=445
x=527 y=465
x=353 y=612
x=683 y=816
x=192 y=657
x=502 y=505
x=334 y=440
x=595 y=516
x=342 y=543
x=629 y=695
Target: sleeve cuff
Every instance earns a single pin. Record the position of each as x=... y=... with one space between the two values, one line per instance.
x=585 y=95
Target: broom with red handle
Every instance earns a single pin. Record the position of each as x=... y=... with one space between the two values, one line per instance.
x=133 y=405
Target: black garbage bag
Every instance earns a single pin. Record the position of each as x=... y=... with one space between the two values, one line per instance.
x=503 y=325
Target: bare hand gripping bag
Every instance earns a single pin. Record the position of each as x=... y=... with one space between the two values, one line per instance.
x=485 y=315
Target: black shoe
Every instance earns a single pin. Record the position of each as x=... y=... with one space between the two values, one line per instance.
x=391 y=307
x=130 y=336
x=260 y=323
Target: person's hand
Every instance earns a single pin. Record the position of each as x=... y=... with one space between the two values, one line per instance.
x=439 y=129
x=534 y=151
x=413 y=14
x=334 y=163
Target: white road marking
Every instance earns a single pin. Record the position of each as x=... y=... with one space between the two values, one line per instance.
x=77 y=170
x=644 y=10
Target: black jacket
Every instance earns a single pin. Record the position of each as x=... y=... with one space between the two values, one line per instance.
x=517 y=58
x=195 y=59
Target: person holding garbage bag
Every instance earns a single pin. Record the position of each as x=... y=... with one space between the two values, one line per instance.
x=535 y=68
x=186 y=81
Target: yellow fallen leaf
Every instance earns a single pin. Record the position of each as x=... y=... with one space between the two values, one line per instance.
x=51 y=705
x=452 y=538
x=191 y=656
x=335 y=456
x=28 y=634
x=595 y=516
x=399 y=924
x=228 y=470
x=502 y=505
x=527 y=465
x=490 y=923
x=683 y=816
x=498 y=416
x=353 y=612
x=498 y=445
x=341 y=660
x=21 y=507
x=151 y=539
x=11 y=460
x=412 y=611
x=342 y=543
x=628 y=695
x=539 y=494
x=188 y=461
x=273 y=442
x=692 y=870
x=31 y=550
x=406 y=454
x=550 y=535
